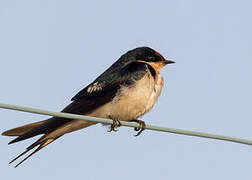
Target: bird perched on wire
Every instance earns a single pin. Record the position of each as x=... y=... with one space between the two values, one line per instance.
x=124 y=92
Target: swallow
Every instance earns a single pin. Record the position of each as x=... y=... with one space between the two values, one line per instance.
x=125 y=91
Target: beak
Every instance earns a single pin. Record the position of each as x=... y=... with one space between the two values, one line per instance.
x=168 y=61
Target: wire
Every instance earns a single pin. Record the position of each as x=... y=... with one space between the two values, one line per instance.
x=124 y=123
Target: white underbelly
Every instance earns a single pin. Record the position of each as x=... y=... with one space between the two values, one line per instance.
x=132 y=102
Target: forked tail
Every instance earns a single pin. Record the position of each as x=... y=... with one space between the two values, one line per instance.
x=52 y=129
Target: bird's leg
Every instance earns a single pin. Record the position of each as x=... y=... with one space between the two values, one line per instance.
x=116 y=124
x=141 y=127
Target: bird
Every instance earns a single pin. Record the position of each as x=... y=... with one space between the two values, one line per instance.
x=125 y=91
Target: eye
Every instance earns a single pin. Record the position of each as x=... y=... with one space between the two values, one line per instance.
x=151 y=58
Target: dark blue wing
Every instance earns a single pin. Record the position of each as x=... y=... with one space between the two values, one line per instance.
x=105 y=87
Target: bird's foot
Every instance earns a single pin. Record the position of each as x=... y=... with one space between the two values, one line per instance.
x=116 y=124
x=141 y=127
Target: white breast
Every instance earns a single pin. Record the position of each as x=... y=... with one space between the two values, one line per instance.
x=132 y=102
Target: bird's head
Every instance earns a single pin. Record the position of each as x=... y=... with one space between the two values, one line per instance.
x=147 y=55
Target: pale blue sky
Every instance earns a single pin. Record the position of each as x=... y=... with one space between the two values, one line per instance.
x=49 y=50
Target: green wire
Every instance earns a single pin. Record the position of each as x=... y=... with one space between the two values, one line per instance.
x=124 y=123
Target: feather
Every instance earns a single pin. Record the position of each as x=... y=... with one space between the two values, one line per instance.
x=22 y=129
